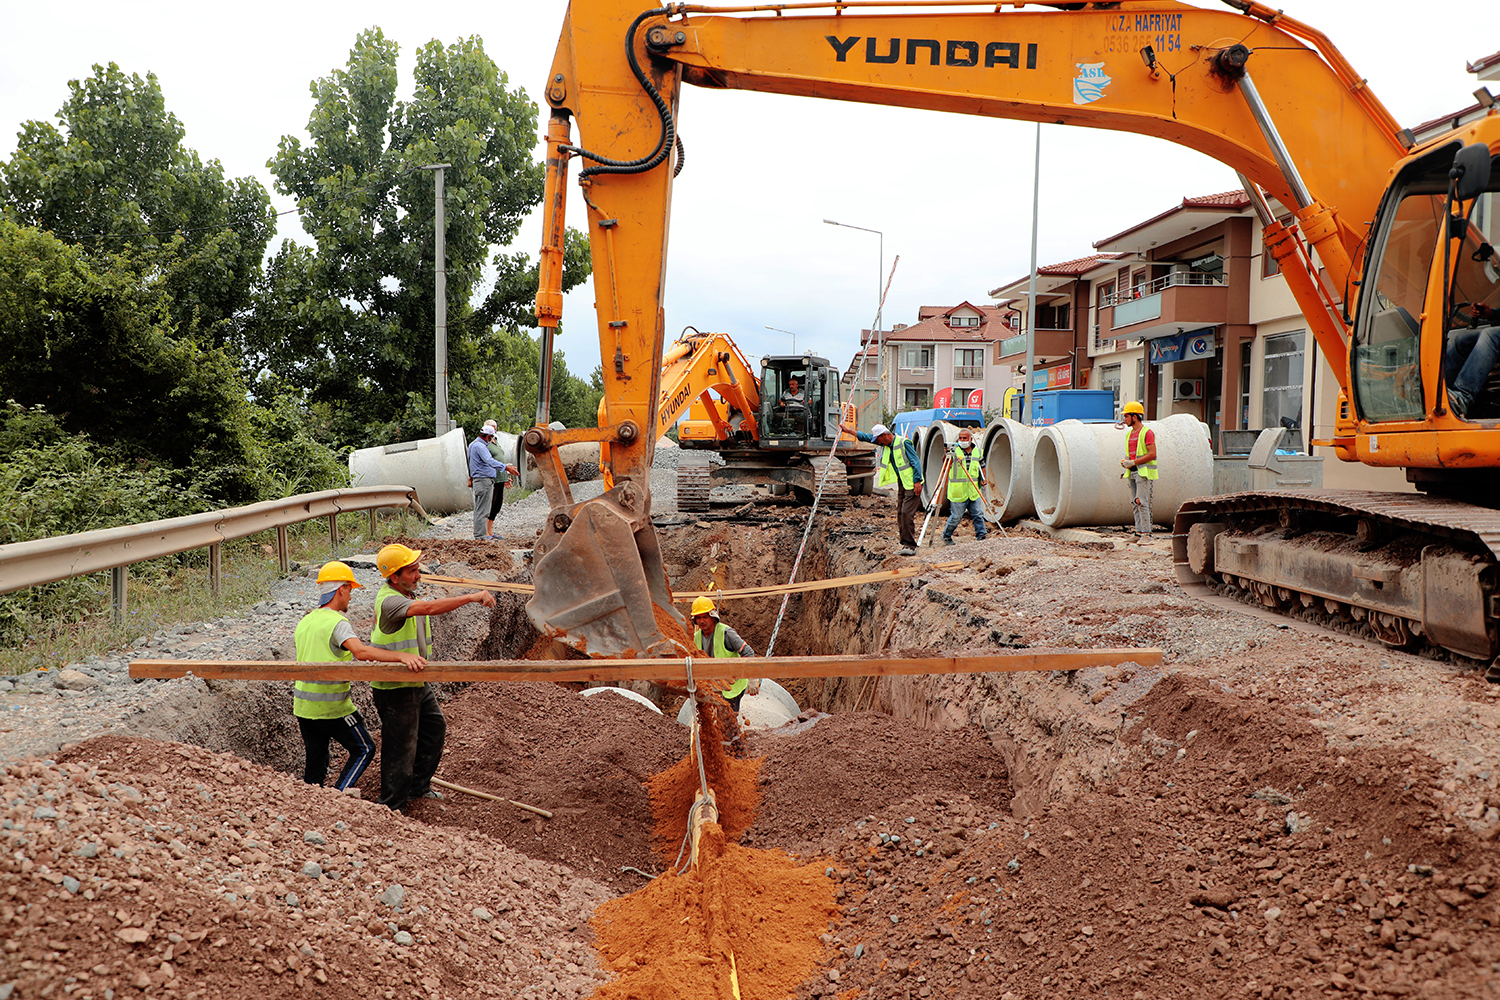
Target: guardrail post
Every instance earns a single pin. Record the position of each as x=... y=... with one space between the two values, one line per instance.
x=372 y=525
x=333 y=533
x=215 y=569
x=117 y=592
x=283 y=550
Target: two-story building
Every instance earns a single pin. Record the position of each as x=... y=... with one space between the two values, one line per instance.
x=945 y=358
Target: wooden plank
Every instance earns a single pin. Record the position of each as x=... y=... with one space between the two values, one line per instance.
x=670 y=671
x=683 y=596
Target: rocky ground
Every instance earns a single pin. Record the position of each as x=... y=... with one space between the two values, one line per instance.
x=1269 y=814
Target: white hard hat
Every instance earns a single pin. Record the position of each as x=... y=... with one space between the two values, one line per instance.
x=878 y=430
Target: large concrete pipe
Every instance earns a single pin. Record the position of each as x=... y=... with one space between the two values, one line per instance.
x=580 y=461
x=773 y=707
x=1008 y=446
x=437 y=468
x=1075 y=471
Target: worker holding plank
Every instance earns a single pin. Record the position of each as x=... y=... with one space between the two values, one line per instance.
x=323 y=709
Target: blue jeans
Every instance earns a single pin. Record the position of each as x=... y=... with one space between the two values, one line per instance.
x=1470 y=356
x=974 y=508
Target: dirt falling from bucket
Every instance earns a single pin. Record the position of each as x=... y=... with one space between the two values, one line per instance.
x=735 y=784
x=672 y=628
x=673 y=940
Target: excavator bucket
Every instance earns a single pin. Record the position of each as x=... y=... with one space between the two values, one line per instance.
x=600 y=583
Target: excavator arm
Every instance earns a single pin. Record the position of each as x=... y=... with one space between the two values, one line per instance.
x=1250 y=87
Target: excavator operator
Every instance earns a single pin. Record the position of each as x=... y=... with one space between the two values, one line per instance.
x=717 y=639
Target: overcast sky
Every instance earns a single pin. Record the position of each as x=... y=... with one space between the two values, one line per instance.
x=952 y=193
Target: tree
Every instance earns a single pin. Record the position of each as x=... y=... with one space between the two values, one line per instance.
x=93 y=341
x=351 y=326
x=117 y=181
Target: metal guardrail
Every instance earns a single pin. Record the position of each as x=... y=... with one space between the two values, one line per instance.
x=47 y=560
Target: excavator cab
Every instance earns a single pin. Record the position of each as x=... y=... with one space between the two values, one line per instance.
x=795 y=400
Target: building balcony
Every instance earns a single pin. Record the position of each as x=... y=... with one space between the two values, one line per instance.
x=1049 y=344
x=969 y=373
x=915 y=376
x=1186 y=301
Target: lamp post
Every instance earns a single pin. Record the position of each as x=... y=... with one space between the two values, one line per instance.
x=777 y=329
x=440 y=310
x=879 y=305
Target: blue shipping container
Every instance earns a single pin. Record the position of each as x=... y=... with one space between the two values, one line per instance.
x=1092 y=406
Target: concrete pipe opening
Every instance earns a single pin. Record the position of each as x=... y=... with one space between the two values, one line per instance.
x=1075 y=471
x=1008 y=448
x=941 y=436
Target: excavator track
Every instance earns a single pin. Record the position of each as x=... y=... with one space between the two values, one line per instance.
x=1403 y=569
x=694 y=481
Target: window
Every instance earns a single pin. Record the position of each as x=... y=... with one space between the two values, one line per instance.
x=968 y=363
x=917 y=357
x=1244 y=385
x=1140 y=378
x=1138 y=283
x=1106 y=294
x=963 y=320
x=916 y=399
x=1052 y=317
x=1281 y=393
x=1109 y=378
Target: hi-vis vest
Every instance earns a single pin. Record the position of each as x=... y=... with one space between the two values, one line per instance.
x=1147 y=471
x=893 y=464
x=403 y=640
x=720 y=651
x=963 y=476
x=320 y=699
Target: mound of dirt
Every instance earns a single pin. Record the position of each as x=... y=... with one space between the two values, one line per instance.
x=134 y=868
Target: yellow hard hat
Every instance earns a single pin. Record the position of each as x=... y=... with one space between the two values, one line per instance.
x=395 y=557
x=1135 y=407
x=704 y=606
x=337 y=572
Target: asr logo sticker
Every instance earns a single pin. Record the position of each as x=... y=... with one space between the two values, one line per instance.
x=1089 y=84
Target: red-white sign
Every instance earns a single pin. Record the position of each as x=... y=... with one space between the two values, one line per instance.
x=976 y=399
x=944 y=398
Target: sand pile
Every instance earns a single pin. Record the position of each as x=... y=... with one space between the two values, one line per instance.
x=134 y=868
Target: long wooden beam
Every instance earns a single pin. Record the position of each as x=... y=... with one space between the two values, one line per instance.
x=670 y=671
x=682 y=596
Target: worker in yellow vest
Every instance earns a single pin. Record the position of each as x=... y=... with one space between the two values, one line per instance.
x=323 y=709
x=713 y=637
x=413 y=729
x=1140 y=466
x=899 y=465
x=965 y=479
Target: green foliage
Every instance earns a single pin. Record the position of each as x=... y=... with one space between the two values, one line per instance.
x=117 y=180
x=351 y=326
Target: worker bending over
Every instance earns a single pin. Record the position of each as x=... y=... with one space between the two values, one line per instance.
x=717 y=639
x=899 y=464
x=323 y=709
x=413 y=729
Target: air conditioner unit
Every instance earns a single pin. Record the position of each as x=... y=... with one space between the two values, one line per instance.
x=1187 y=388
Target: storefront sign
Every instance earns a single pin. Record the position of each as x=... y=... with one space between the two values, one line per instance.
x=976 y=399
x=1183 y=347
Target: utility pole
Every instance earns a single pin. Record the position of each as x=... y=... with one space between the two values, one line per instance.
x=440 y=310
x=1036 y=200
x=777 y=329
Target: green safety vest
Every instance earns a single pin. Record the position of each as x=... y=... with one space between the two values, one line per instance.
x=963 y=476
x=894 y=464
x=1147 y=471
x=320 y=699
x=403 y=640
x=721 y=651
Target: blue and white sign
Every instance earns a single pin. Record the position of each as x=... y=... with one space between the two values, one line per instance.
x=1183 y=347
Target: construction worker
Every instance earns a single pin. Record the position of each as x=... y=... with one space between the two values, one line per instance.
x=412 y=725
x=1140 y=466
x=323 y=709
x=899 y=465
x=717 y=639
x=483 y=468
x=965 y=478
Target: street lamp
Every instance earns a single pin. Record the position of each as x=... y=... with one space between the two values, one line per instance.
x=440 y=310
x=879 y=305
x=777 y=329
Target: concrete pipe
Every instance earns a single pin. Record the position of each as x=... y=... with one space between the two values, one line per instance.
x=1075 y=471
x=772 y=708
x=437 y=468
x=580 y=461
x=1008 y=447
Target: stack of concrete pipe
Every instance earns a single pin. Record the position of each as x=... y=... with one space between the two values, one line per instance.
x=1075 y=471
x=1007 y=469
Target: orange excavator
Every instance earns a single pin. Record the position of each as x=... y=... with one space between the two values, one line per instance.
x=778 y=428
x=1399 y=306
